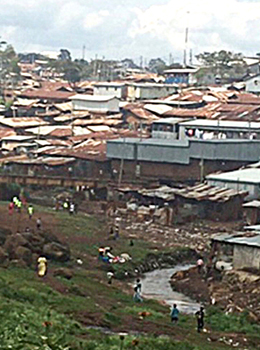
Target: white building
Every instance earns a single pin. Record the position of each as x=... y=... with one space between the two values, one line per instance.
x=111 y=89
x=95 y=103
x=147 y=91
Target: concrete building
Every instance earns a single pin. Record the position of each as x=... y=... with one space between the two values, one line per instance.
x=98 y=104
x=243 y=251
x=252 y=84
x=118 y=90
x=217 y=129
x=146 y=91
x=181 y=160
x=166 y=128
x=243 y=179
x=182 y=75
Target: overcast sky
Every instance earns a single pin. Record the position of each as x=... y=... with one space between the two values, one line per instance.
x=118 y=29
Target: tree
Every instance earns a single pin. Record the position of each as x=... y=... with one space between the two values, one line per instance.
x=225 y=64
x=157 y=65
x=64 y=55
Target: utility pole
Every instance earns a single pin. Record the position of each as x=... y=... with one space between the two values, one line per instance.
x=121 y=166
x=83 y=52
x=186 y=43
x=170 y=59
x=141 y=61
x=190 y=57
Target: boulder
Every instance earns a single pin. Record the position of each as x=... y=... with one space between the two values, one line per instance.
x=23 y=253
x=63 y=272
x=4 y=233
x=17 y=263
x=12 y=242
x=34 y=242
x=56 y=251
x=3 y=255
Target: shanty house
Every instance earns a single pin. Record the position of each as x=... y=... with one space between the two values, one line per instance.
x=211 y=202
x=247 y=179
x=242 y=249
x=252 y=212
x=95 y=103
x=12 y=142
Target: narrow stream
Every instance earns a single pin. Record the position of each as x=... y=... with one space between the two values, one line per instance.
x=156 y=285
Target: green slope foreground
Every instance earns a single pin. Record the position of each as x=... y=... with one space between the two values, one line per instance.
x=85 y=312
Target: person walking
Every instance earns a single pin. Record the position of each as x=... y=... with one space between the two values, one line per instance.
x=200 y=265
x=200 y=319
x=39 y=224
x=11 y=208
x=174 y=314
x=72 y=208
x=137 y=291
x=30 y=211
x=110 y=275
x=19 y=206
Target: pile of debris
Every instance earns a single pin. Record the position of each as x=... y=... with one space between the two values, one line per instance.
x=23 y=248
x=195 y=235
x=232 y=291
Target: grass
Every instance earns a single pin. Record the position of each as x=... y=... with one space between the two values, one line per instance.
x=27 y=302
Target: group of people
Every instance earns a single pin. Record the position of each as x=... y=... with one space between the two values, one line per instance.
x=17 y=204
x=113 y=232
x=105 y=254
x=71 y=207
x=199 y=316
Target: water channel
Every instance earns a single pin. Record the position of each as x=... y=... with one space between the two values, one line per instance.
x=156 y=285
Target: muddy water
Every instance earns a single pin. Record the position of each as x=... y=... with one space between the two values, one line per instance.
x=156 y=285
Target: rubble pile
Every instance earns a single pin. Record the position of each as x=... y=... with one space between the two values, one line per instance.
x=232 y=291
x=237 y=291
x=195 y=235
x=23 y=248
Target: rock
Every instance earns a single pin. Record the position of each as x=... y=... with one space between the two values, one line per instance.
x=34 y=242
x=12 y=242
x=18 y=263
x=56 y=251
x=63 y=272
x=4 y=233
x=23 y=253
x=3 y=255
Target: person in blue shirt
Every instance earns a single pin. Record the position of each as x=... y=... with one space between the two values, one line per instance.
x=174 y=314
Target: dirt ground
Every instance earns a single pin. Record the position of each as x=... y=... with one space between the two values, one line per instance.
x=195 y=235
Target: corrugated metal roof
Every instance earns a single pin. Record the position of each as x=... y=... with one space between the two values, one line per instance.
x=94 y=98
x=241 y=240
x=158 y=109
x=18 y=138
x=206 y=192
x=252 y=204
x=47 y=95
x=229 y=124
x=23 y=122
x=247 y=175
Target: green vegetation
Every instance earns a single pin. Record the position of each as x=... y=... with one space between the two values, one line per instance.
x=238 y=323
x=54 y=313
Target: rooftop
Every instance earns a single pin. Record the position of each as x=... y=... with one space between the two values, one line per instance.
x=248 y=175
x=97 y=98
x=229 y=124
x=253 y=240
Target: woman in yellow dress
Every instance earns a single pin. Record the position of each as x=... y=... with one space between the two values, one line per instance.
x=42 y=266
